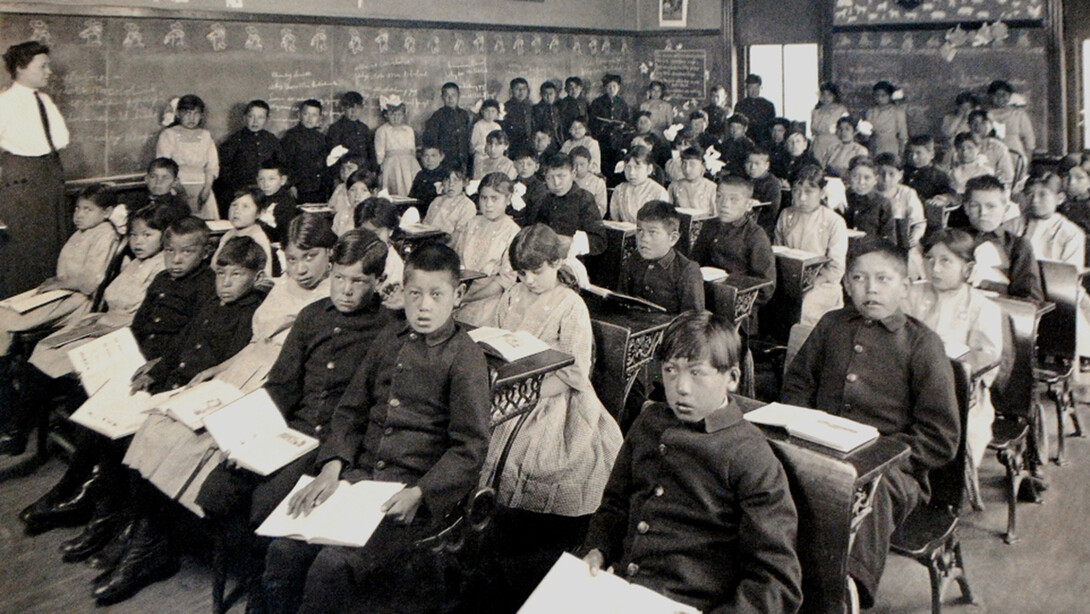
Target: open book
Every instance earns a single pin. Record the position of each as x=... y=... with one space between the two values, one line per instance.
x=31 y=299
x=347 y=518
x=252 y=432
x=840 y=434
x=115 y=413
x=115 y=356
x=790 y=252
x=569 y=588
x=191 y=405
x=625 y=300
x=710 y=273
x=509 y=345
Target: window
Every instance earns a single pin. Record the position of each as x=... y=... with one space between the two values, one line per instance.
x=790 y=75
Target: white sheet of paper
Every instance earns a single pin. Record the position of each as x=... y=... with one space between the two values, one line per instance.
x=22 y=303
x=115 y=413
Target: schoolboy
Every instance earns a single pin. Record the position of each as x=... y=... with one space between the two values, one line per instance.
x=478 y=139
x=432 y=171
x=449 y=128
x=175 y=294
x=721 y=538
x=609 y=116
x=1002 y=258
x=718 y=110
x=591 y=182
x=645 y=131
x=932 y=184
x=779 y=156
x=766 y=187
x=273 y=182
x=567 y=208
x=243 y=152
x=759 y=110
x=518 y=121
x=693 y=190
x=545 y=114
x=736 y=145
x=868 y=210
x=352 y=133
x=246 y=207
x=871 y=363
x=305 y=149
x=660 y=274
x=161 y=180
x=904 y=201
x=969 y=162
x=734 y=241
x=219 y=330
x=698 y=122
x=573 y=106
x=415 y=412
x=495 y=159
x=997 y=153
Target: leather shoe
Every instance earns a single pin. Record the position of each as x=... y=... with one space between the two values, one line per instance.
x=107 y=558
x=93 y=538
x=64 y=511
x=149 y=559
x=12 y=444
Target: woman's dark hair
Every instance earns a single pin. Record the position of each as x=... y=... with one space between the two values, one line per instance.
x=20 y=56
x=832 y=88
x=99 y=195
x=369 y=178
x=884 y=86
x=999 y=85
x=190 y=102
x=361 y=245
x=255 y=193
x=310 y=230
x=499 y=182
x=964 y=97
x=535 y=246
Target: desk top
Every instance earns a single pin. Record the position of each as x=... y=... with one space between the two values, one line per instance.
x=508 y=373
x=868 y=460
x=743 y=282
x=634 y=320
x=797 y=255
x=1042 y=307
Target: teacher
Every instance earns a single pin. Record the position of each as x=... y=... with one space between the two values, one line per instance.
x=32 y=204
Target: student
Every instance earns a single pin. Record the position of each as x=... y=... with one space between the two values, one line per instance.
x=638 y=187
x=1017 y=128
x=542 y=144
x=969 y=163
x=760 y=111
x=609 y=117
x=766 y=188
x=191 y=146
x=246 y=207
x=798 y=158
x=868 y=210
x=646 y=135
x=736 y=145
x=273 y=182
x=682 y=140
x=339 y=202
x=395 y=151
x=453 y=210
x=546 y=115
x=381 y=217
x=1002 y=257
x=518 y=114
x=527 y=166
x=1076 y=207
x=427 y=368
x=824 y=117
x=305 y=149
x=558 y=466
x=718 y=110
x=352 y=133
x=431 y=173
x=660 y=274
x=694 y=190
x=777 y=150
x=921 y=173
x=361 y=185
x=490 y=112
x=734 y=241
x=889 y=120
x=579 y=138
x=662 y=112
x=483 y=247
x=960 y=314
x=839 y=157
x=568 y=209
x=906 y=207
x=449 y=128
x=160 y=180
x=871 y=363
x=724 y=537
x=957 y=122
x=1052 y=236
x=220 y=328
x=573 y=106
x=997 y=153
x=243 y=152
x=698 y=123
x=495 y=160
x=589 y=181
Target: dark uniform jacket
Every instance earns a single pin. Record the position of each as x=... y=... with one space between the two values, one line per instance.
x=569 y=213
x=1024 y=273
x=241 y=155
x=518 y=123
x=737 y=249
x=873 y=214
x=423 y=188
x=761 y=112
x=546 y=118
x=356 y=137
x=572 y=109
x=168 y=306
x=766 y=189
x=305 y=150
x=450 y=129
x=672 y=282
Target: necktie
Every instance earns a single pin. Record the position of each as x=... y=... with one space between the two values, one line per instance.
x=45 y=122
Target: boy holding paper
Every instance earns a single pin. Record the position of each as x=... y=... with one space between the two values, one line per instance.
x=415 y=412
x=871 y=363
x=697 y=507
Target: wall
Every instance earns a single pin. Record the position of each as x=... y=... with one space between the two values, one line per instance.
x=703 y=15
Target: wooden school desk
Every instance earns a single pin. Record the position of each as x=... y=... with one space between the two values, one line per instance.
x=796 y=273
x=733 y=296
x=406 y=240
x=605 y=268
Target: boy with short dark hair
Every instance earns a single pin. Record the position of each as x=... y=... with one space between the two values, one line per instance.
x=161 y=181
x=518 y=121
x=567 y=208
x=723 y=524
x=545 y=114
x=432 y=171
x=415 y=412
x=871 y=363
x=243 y=152
x=766 y=188
x=921 y=174
x=591 y=182
x=1004 y=260
x=659 y=273
x=273 y=181
x=305 y=149
x=352 y=133
x=736 y=144
x=734 y=241
x=449 y=129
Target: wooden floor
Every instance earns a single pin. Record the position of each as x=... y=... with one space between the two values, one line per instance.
x=1047 y=571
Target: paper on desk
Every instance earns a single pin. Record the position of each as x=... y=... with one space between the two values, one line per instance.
x=580 y=244
x=347 y=518
x=790 y=252
x=710 y=273
x=569 y=588
x=410 y=217
x=31 y=299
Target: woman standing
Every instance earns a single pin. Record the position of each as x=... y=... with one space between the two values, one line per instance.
x=32 y=132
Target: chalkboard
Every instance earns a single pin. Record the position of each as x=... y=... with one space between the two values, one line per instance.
x=914 y=61
x=683 y=71
x=875 y=12
x=116 y=75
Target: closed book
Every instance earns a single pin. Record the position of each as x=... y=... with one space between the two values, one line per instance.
x=835 y=432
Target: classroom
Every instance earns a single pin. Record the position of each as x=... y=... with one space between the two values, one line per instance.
x=528 y=306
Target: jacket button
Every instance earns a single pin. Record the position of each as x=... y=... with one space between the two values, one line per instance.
x=158 y=319
x=181 y=365
x=394 y=402
x=659 y=491
x=662 y=449
x=388 y=430
x=336 y=330
x=329 y=365
x=642 y=527
x=852 y=377
x=858 y=349
x=318 y=429
x=199 y=345
x=632 y=569
x=380 y=465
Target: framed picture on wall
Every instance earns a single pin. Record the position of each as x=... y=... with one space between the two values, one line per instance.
x=672 y=13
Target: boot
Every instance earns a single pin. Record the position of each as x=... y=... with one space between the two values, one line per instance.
x=107 y=558
x=148 y=559
x=100 y=531
x=13 y=438
x=58 y=508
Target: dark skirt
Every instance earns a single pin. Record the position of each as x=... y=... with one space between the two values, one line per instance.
x=32 y=205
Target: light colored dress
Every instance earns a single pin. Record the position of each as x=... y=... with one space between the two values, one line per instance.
x=451 y=214
x=629 y=198
x=597 y=187
x=890 y=129
x=123 y=297
x=1017 y=129
x=478 y=138
x=840 y=156
x=967 y=317
x=483 y=247
x=824 y=232
x=823 y=126
x=561 y=460
x=195 y=152
x=395 y=150
x=82 y=261
x=592 y=146
x=662 y=114
x=258 y=235
x=698 y=195
x=999 y=159
x=484 y=166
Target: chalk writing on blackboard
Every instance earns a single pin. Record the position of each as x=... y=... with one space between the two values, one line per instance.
x=683 y=71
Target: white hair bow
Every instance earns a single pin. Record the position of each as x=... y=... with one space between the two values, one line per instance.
x=477 y=106
x=393 y=100
x=671 y=132
x=1019 y=100
x=898 y=94
x=712 y=161
x=865 y=128
x=335 y=155
x=620 y=167
x=472 y=186
x=517 y=192
x=171 y=113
